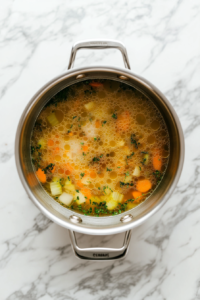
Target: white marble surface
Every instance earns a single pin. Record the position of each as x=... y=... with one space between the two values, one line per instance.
x=162 y=39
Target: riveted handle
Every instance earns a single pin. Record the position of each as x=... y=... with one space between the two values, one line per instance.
x=99 y=44
x=98 y=253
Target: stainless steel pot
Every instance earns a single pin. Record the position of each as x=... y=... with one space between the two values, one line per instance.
x=87 y=224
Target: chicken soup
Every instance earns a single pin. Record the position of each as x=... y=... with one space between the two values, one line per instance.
x=100 y=147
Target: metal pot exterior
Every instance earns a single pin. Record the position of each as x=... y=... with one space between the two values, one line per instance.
x=93 y=225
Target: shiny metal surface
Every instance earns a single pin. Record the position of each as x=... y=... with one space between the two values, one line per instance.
x=126 y=218
x=75 y=219
x=97 y=44
x=100 y=253
x=94 y=225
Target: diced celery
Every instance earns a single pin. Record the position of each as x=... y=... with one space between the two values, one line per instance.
x=146 y=158
x=90 y=105
x=80 y=198
x=42 y=142
x=111 y=204
x=117 y=196
x=136 y=171
x=65 y=198
x=52 y=119
x=56 y=188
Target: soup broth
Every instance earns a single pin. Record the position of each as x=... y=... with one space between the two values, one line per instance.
x=99 y=147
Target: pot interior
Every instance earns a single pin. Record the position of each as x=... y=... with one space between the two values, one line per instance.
x=91 y=224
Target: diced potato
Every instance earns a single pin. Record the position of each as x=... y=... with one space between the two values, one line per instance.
x=43 y=143
x=80 y=198
x=68 y=182
x=69 y=187
x=97 y=199
x=56 y=188
x=117 y=196
x=65 y=198
x=107 y=191
x=111 y=204
x=56 y=179
x=136 y=171
x=128 y=179
x=89 y=106
x=52 y=119
x=121 y=143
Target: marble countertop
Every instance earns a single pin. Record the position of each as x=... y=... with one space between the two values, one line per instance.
x=162 y=40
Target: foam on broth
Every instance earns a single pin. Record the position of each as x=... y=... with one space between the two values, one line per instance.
x=106 y=142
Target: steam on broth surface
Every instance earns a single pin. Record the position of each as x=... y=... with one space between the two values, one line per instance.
x=99 y=147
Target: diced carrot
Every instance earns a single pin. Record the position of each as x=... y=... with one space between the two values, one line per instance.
x=50 y=143
x=85 y=148
x=137 y=196
x=67 y=172
x=157 y=162
x=70 y=133
x=41 y=175
x=86 y=192
x=97 y=124
x=57 y=149
x=144 y=185
x=57 y=136
x=93 y=174
x=80 y=184
x=123 y=121
x=96 y=84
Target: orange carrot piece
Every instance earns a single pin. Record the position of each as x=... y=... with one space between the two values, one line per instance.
x=86 y=192
x=57 y=149
x=70 y=133
x=123 y=121
x=80 y=184
x=93 y=174
x=96 y=84
x=41 y=175
x=137 y=196
x=50 y=143
x=97 y=124
x=85 y=148
x=157 y=162
x=144 y=185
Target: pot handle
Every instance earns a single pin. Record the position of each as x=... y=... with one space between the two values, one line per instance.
x=100 y=253
x=99 y=44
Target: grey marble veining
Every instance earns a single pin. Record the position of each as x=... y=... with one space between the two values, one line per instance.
x=163 y=44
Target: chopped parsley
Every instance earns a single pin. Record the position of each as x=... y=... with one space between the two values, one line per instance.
x=49 y=168
x=104 y=122
x=74 y=117
x=114 y=116
x=143 y=161
x=133 y=141
x=82 y=175
x=109 y=170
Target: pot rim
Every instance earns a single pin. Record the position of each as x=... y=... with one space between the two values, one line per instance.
x=110 y=229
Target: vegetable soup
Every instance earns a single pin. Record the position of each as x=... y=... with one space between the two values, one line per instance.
x=100 y=147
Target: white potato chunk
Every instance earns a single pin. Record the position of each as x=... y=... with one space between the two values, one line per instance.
x=89 y=106
x=65 y=198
